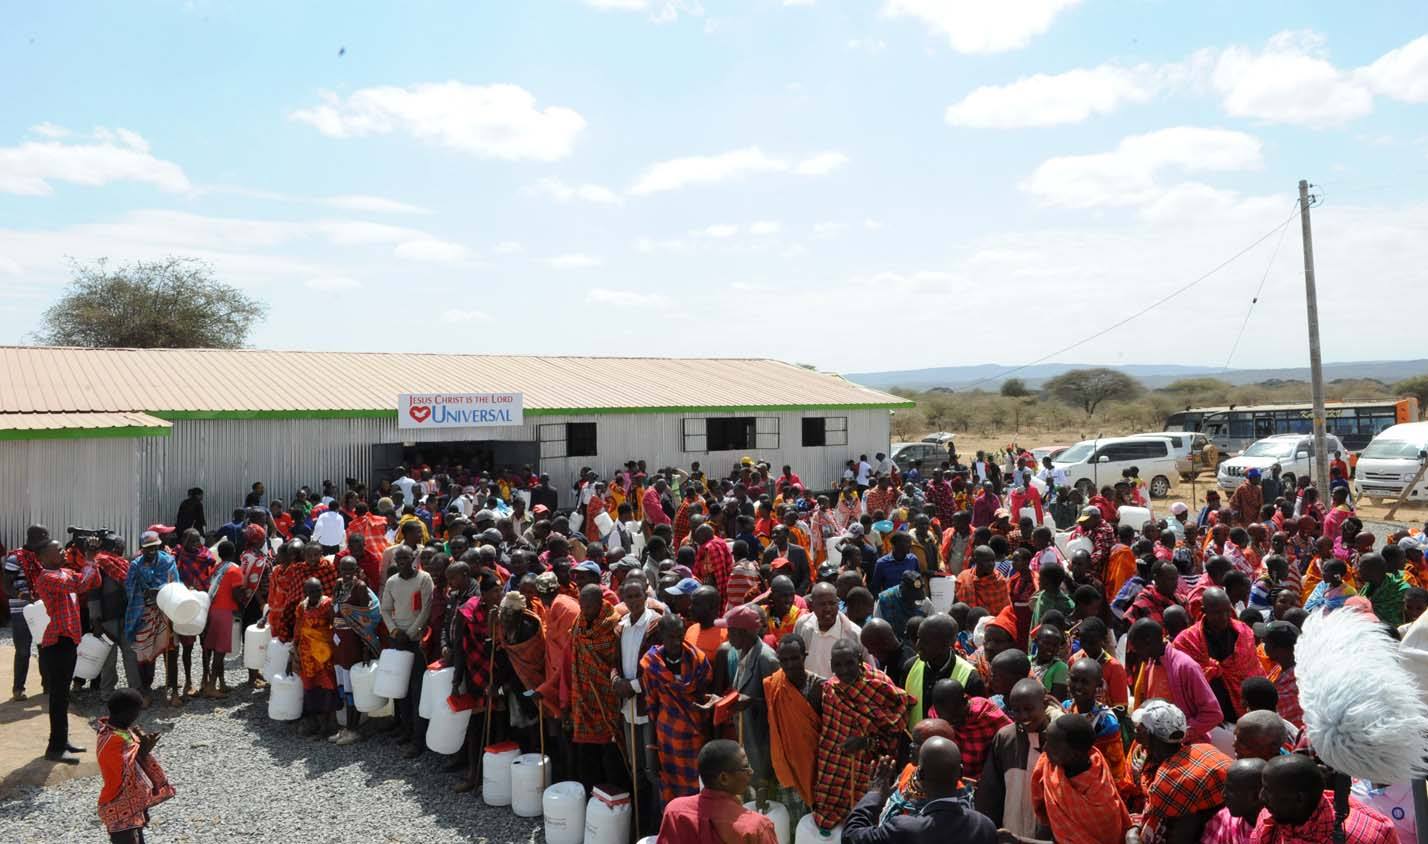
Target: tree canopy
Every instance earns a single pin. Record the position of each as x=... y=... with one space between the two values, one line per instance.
x=1088 y=388
x=1015 y=388
x=1417 y=387
x=174 y=303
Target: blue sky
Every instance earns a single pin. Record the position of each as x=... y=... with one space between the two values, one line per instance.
x=867 y=184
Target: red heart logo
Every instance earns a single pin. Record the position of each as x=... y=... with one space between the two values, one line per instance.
x=420 y=412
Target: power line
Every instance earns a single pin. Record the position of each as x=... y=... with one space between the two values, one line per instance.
x=1244 y=325
x=1143 y=311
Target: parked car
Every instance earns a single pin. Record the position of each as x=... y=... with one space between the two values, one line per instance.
x=1293 y=452
x=928 y=454
x=1391 y=461
x=1092 y=464
x=941 y=437
x=1045 y=451
x=1187 y=448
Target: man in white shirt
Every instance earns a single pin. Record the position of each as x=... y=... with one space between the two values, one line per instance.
x=823 y=627
x=886 y=466
x=1054 y=476
x=865 y=470
x=637 y=634
x=405 y=484
x=330 y=530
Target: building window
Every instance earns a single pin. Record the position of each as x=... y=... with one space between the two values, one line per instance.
x=567 y=439
x=734 y=433
x=580 y=439
x=821 y=431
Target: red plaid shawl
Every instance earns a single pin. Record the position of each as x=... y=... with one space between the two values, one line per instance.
x=1192 y=780
x=873 y=707
x=594 y=654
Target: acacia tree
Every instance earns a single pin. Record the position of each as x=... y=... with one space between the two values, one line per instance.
x=1088 y=388
x=175 y=303
x=1014 y=388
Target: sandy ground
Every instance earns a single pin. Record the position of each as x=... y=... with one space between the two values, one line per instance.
x=25 y=727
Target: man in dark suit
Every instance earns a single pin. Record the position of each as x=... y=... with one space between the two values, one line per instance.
x=943 y=818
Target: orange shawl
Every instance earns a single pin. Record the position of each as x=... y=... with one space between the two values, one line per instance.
x=1234 y=670
x=559 y=621
x=793 y=735
x=1084 y=809
x=1119 y=569
x=528 y=660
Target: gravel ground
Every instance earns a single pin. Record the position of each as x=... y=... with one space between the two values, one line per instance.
x=243 y=778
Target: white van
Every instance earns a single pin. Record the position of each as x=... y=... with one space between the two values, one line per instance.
x=1187 y=446
x=1391 y=461
x=1092 y=464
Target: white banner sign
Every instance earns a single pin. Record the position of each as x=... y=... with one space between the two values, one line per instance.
x=460 y=410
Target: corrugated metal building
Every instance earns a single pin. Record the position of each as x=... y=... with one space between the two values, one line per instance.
x=114 y=437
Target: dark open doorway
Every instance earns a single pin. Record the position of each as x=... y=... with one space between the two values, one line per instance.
x=473 y=455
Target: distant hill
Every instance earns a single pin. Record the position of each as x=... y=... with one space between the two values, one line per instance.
x=989 y=376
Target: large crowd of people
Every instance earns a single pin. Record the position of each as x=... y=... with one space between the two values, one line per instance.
x=956 y=652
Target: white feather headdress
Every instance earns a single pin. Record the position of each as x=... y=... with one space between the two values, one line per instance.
x=1363 y=710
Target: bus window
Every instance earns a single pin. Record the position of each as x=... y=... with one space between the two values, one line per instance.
x=1263 y=426
x=1242 y=427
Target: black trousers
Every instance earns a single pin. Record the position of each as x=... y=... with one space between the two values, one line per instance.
x=57 y=669
x=128 y=836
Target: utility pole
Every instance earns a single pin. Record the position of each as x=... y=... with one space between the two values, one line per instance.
x=1316 y=363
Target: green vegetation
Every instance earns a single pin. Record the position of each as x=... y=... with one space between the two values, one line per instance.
x=1099 y=405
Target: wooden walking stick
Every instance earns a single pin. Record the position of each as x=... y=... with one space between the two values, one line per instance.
x=634 y=778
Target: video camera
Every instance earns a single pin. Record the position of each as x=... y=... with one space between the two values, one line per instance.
x=78 y=537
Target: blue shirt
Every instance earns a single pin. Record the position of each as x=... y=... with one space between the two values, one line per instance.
x=887 y=572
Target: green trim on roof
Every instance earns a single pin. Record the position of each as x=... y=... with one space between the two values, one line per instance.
x=84 y=433
x=359 y=413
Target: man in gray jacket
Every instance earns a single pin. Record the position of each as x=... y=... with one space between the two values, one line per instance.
x=755 y=660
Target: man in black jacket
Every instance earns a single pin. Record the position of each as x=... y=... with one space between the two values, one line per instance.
x=943 y=817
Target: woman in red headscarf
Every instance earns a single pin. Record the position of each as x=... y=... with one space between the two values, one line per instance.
x=254 y=561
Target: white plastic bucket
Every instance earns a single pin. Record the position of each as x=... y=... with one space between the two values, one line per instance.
x=1039 y=484
x=1136 y=517
x=285 y=702
x=608 y=818
x=496 y=773
x=394 y=673
x=364 y=677
x=89 y=659
x=603 y=523
x=530 y=774
x=446 y=732
x=1029 y=513
x=435 y=689
x=188 y=607
x=168 y=595
x=275 y=662
x=778 y=813
x=255 y=646
x=809 y=833
x=38 y=620
x=835 y=554
x=563 y=805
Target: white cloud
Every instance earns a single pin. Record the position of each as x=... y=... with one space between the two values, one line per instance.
x=432 y=251
x=574 y=261
x=109 y=156
x=561 y=192
x=1289 y=81
x=374 y=204
x=1127 y=175
x=751 y=287
x=507 y=247
x=828 y=229
x=678 y=173
x=871 y=224
x=332 y=283
x=490 y=121
x=1401 y=74
x=625 y=298
x=719 y=231
x=870 y=45
x=362 y=231
x=821 y=164
x=458 y=315
x=661 y=11
x=977 y=26
x=49 y=130
x=800 y=2
x=650 y=246
x=1056 y=99
x=765 y=227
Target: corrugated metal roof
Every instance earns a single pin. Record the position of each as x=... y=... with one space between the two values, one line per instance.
x=78 y=421
x=36 y=379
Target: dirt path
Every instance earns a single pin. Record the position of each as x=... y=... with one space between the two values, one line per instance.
x=25 y=727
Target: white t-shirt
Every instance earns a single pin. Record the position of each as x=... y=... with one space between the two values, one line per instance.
x=864 y=470
x=329 y=529
x=406 y=485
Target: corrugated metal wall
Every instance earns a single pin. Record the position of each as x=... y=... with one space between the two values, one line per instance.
x=126 y=484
